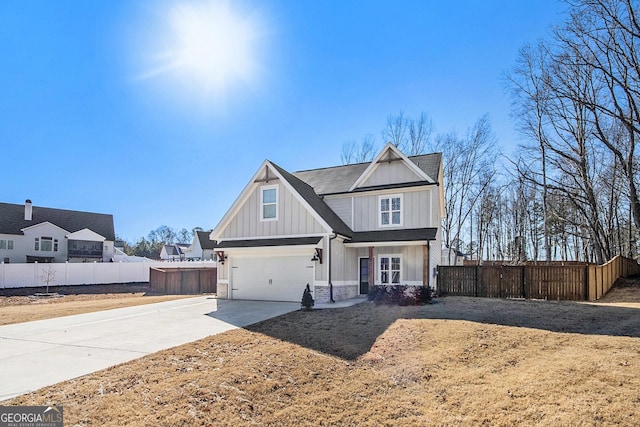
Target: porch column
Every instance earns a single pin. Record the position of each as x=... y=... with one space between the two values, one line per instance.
x=371 y=268
x=425 y=265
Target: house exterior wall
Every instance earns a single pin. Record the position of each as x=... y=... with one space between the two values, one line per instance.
x=391 y=173
x=12 y=255
x=293 y=218
x=416 y=209
x=342 y=206
x=44 y=230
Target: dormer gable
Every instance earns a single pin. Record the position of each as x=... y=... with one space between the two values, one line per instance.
x=390 y=166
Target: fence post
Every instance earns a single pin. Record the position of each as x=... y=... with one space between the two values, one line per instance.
x=524 y=288
x=476 y=279
x=586 y=283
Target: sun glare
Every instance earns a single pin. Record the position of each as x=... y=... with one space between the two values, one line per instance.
x=207 y=46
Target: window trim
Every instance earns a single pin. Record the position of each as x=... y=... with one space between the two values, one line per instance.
x=391 y=270
x=262 y=203
x=390 y=198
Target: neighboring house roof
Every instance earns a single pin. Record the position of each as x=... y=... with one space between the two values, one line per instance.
x=173 y=250
x=316 y=203
x=339 y=179
x=205 y=242
x=403 y=235
x=12 y=220
x=252 y=243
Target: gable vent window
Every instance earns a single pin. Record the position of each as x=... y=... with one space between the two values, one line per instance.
x=390 y=210
x=269 y=203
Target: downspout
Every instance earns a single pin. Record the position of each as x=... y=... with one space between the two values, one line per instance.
x=329 y=265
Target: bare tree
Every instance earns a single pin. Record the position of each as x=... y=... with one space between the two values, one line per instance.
x=410 y=135
x=469 y=169
x=353 y=152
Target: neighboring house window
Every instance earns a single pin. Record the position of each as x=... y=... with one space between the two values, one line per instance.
x=269 y=203
x=390 y=269
x=10 y=245
x=46 y=244
x=390 y=210
x=3 y=244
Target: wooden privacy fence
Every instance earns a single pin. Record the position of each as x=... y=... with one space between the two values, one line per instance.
x=178 y=281
x=568 y=282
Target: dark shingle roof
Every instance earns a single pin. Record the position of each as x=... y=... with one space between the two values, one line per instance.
x=252 y=243
x=205 y=242
x=12 y=220
x=316 y=203
x=339 y=179
x=406 y=235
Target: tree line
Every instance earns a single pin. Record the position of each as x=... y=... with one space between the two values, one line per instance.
x=151 y=245
x=571 y=192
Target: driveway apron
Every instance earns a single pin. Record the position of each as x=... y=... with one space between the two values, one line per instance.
x=41 y=353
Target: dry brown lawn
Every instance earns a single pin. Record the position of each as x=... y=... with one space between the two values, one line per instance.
x=17 y=309
x=460 y=361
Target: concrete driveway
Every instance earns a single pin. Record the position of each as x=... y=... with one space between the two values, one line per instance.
x=45 y=352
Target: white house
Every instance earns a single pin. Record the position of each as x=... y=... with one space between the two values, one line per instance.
x=202 y=248
x=339 y=229
x=31 y=233
x=174 y=252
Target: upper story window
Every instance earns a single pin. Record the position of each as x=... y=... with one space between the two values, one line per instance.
x=390 y=210
x=46 y=244
x=269 y=203
x=6 y=244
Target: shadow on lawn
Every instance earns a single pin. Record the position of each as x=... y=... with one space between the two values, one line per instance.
x=350 y=332
x=344 y=332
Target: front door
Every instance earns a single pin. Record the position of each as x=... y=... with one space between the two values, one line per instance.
x=364 y=276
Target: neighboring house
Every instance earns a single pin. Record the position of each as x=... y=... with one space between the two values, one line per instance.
x=202 y=248
x=452 y=256
x=174 y=252
x=36 y=234
x=340 y=229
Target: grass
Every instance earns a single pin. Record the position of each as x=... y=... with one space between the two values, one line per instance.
x=17 y=309
x=460 y=361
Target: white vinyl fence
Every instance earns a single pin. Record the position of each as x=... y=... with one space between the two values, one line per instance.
x=97 y=273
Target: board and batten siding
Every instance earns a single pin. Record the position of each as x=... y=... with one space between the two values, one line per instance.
x=342 y=206
x=411 y=261
x=293 y=218
x=416 y=211
x=391 y=173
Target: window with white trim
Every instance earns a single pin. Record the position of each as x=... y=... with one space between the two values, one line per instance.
x=269 y=203
x=390 y=210
x=6 y=244
x=390 y=269
x=46 y=244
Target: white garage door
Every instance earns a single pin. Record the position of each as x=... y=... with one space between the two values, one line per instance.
x=271 y=278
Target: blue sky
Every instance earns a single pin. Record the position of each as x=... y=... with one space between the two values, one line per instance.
x=96 y=116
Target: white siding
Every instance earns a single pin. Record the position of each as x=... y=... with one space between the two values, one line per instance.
x=342 y=207
x=417 y=211
x=293 y=218
x=391 y=173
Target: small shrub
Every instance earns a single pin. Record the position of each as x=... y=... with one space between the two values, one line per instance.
x=400 y=295
x=307 y=298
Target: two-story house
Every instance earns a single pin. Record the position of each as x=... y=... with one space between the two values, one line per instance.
x=340 y=229
x=38 y=234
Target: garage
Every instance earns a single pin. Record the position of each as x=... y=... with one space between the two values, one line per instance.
x=280 y=278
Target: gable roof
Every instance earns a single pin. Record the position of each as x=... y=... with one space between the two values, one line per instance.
x=205 y=242
x=12 y=220
x=339 y=179
x=316 y=203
